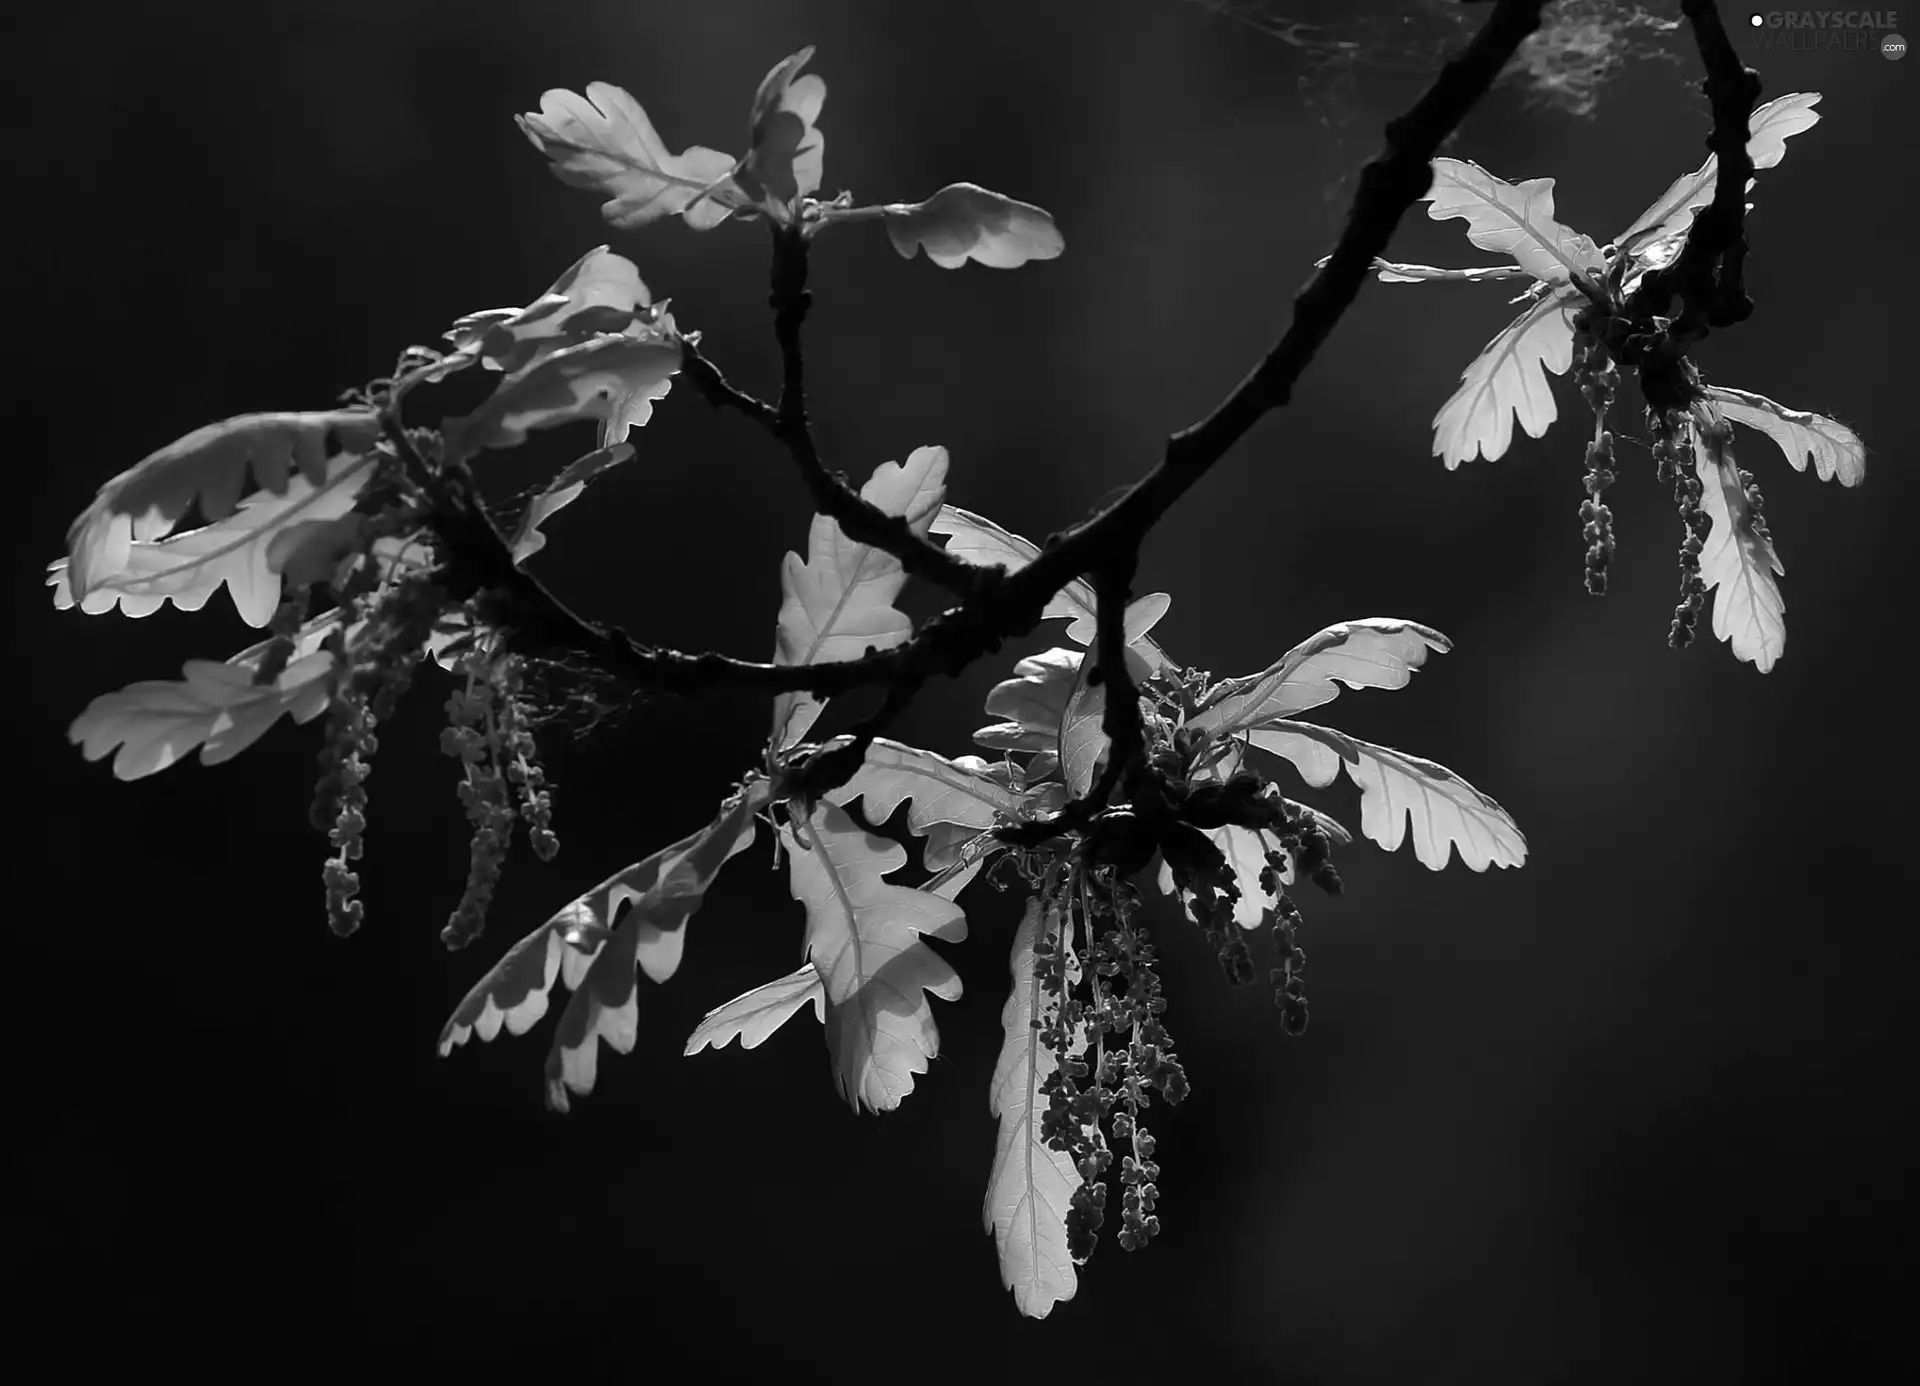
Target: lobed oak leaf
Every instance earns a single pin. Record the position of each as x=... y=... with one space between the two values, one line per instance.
x=595 y=951
x=1515 y=219
x=1654 y=238
x=1397 y=790
x=866 y=938
x=600 y=292
x=1031 y=1186
x=562 y=491
x=1081 y=747
x=604 y=142
x=1375 y=652
x=752 y=1016
x=649 y=938
x=943 y=792
x=1508 y=380
x=614 y=378
x=976 y=539
x=211 y=468
x=247 y=552
x=1057 y=711
x=965 y=222
x=1737 y=561
x=1835 y=449
x=1034 y=702
x=1316 y=752
x=786 y=150
x=1082 y=742
x=838 y=603
x=218 y=707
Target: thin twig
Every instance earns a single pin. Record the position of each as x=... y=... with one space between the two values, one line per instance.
x=863 y=522
x=998 y=607
x=860 y=519
x=1707 y=274
x=1120 y=718
x=720 y=392
x=833 y=765
x=1389 y=185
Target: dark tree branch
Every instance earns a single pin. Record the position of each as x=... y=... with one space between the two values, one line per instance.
x=1389 y=185
x=833 y=765
x=479 y=565
x=1120 y=719
x=862 y=521
x=997 y=606
x=788 y=296
x=1707 y=274
x=721 y=393
x=1717 y=240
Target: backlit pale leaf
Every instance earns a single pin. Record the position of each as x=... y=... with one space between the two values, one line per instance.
x=1377 y=652
x=665 y=889
x=1737 y=561
x=943 y=792
x=614 y=378
x=246 y=552
x=838 y=603
x=589 y=947
x=561 y=492
x=211 y=467
x=604 y=142
x=1836 y=450
x=218 y=707
x=965 y=222
x=865 y=937
x=1397 y=790
x=1508 y=380
x=1082 y=744
x=978 y=540
x=1656 y=235
x=754 y=1015
x=599 y=293
x=1033 y=702
x=1514 y=219
x=1032 y=1185
x=788 y=149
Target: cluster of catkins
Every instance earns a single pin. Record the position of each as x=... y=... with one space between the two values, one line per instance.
x=372 y=680
x=1305 y=844
x=1673 y=456
x=1598 y=378
x=1111 y=1051
x=489 y=733
x=1201 y=873
x=1673 y=432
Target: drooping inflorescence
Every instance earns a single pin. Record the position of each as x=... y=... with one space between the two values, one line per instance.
x=1598 y=379
x=1673 y=456
x=488 y=732
x=1111 y=1050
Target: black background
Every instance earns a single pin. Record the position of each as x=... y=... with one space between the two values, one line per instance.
x=1637 y=1111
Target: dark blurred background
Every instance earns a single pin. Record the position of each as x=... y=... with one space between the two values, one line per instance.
x=1637 y=1111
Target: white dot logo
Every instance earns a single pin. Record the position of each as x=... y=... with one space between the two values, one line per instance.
x=1893 y=48
x=1755 y=20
